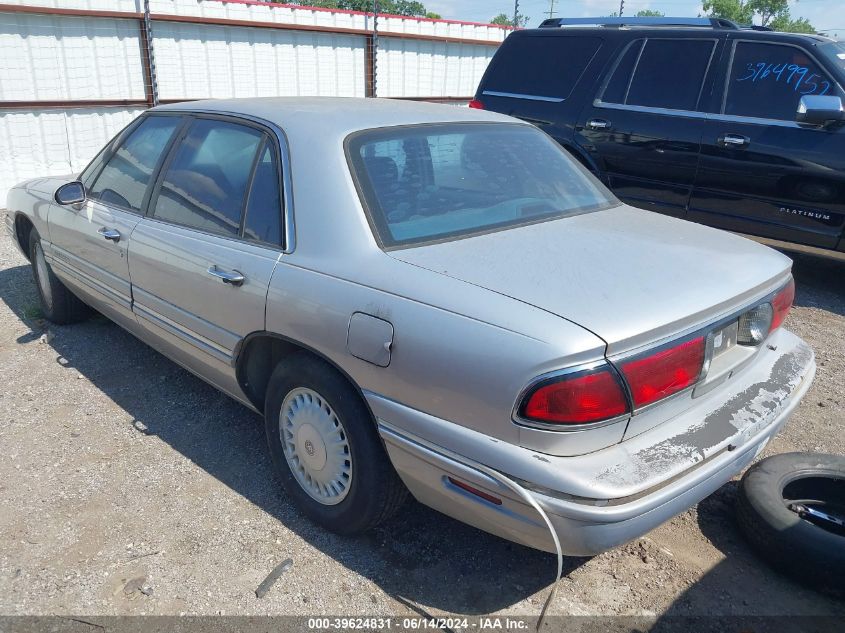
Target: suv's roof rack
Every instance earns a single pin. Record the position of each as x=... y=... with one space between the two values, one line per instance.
x=755 y=27
x=711 y=23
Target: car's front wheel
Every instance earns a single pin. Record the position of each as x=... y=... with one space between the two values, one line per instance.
x=326 y=449
x=58 y=304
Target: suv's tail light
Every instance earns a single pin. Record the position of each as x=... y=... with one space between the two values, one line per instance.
x=475 y=104
x=659 y=375
x=781 y=304
x=577 y=399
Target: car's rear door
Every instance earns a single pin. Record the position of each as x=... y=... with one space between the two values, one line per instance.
x=760 y=172
x=90 y=241
x=643 y=129
x=202 y=258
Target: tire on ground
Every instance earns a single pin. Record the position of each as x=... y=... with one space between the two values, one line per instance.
x=61 y=306
x=810 y=554
x=375 y=492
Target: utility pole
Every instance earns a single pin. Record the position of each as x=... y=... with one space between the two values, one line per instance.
x=621 y=7
x=515 y=13
x=551 y=9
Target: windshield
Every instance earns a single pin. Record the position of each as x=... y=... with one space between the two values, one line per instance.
x=441 y=181
x=835 y=52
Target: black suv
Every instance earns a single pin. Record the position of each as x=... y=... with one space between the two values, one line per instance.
x=739 y=128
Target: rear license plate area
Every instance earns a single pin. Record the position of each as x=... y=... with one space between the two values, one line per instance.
x=723 y=339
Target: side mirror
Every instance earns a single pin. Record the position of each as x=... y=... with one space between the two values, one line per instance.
x=70 y=193
x=820 y=110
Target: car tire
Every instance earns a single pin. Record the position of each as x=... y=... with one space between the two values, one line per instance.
x=333 y=464
x=58 y=304
x=811 y=554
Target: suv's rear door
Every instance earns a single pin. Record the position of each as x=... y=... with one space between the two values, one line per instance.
x=760 y=172
x=643 y=129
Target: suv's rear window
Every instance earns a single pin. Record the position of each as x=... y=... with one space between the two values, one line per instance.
x=439 y=181
x=541 y=66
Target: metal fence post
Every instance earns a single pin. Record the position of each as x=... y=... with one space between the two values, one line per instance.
x=375 y=46
x=148 y=57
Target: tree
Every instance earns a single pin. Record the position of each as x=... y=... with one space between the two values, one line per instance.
x=650 y=13
x=784 y=22
x=772 y=13
x=503 y=20
x=409 y=8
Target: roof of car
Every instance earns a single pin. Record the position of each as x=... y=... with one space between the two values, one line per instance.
x=338 y=115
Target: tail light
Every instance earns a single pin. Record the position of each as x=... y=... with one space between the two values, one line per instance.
x=577 y=399
x=781 y=304
x=475 y=104
x=659 y=375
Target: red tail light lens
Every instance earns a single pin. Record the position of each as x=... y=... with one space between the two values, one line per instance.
x=475 y=104
x=666 y=372
x=782 y=303
x=579 y=399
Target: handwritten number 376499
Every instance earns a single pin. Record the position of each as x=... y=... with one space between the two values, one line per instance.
x=798 y=77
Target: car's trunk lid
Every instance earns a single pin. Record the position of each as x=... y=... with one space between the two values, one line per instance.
x=631 y=277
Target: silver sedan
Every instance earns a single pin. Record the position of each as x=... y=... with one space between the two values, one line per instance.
x=429 y=299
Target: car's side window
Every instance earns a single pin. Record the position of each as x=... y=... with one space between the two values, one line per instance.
x=124 y=179
x=666 y=74
x=767 y=81
x=205 y=184
x=263 y=221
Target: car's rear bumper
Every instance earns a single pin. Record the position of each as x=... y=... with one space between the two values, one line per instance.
x=588 y=525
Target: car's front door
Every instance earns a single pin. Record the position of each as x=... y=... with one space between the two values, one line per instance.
x=90 y=241
x=202 y=258
x=760 y=172
x=644 y=128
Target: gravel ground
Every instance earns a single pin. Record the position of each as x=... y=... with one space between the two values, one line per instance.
x=128 y=486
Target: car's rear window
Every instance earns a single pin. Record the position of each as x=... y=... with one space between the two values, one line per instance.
x=541 y=66
x=435 y=182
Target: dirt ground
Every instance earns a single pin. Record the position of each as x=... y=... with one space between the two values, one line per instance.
x=127 y=486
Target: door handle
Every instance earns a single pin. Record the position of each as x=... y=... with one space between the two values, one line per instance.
x=233 y=278
x=734 y=140
x=110 y=234
x=598 y=124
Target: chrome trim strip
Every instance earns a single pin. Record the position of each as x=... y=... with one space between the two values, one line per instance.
x=733 y=118
x=515 y=95
x=692 y=114
x=192 y=338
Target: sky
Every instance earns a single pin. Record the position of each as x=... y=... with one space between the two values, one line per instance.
x=823 y=14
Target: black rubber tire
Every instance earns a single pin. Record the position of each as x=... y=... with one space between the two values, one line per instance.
x=376 y=491
x=65 y=307
x=810 y=554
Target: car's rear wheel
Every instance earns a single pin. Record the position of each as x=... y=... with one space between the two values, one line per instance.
x=326 y=449
x=58 y=304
